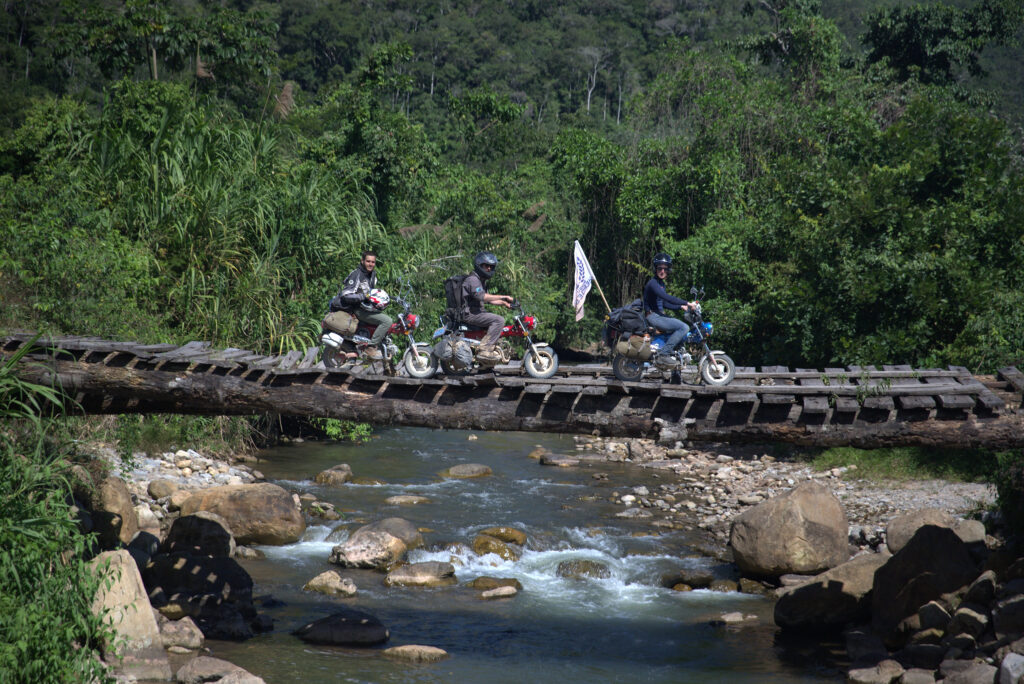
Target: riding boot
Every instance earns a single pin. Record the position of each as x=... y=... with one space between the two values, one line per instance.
x=372 y=353
x=488 y=354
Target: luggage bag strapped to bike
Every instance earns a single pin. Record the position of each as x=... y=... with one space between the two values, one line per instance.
x=454 y=295
x=341 y=322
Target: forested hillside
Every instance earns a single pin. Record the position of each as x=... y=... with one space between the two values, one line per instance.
x=844 y=179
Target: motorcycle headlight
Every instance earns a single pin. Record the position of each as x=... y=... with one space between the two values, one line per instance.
x=530 y=322
x=411 y=321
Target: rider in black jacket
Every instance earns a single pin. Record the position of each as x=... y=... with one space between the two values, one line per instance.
x=656 y=300
x=354 y=298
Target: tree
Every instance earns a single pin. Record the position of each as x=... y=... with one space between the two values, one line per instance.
x=936 y=42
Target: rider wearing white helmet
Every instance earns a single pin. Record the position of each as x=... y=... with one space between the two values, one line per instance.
x=360 y=297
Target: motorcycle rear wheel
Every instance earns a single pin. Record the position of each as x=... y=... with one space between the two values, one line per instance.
x=626 y=369
x=451 y=370
x=719 y=373
x=333 y=357
x=541 y=365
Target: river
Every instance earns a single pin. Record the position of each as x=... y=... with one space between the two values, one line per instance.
x=623 y=628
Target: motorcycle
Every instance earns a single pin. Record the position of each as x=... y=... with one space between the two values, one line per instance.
x=635 y=354
x=340 y=348
x=456 y=345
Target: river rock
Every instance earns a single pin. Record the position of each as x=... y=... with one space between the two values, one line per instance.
x=378 y=545
x=485 y=544
x=201 y=534
x=205 y=669
x=257 y=513
x=414 y=653
x=509 y=535
x=332 y=584
x=113 y=513
x=137 y=647
x=559 y=461
x=467 y=470
x=488 y=583
x=499 y=592
x=406 y=500
x=833 y=598
x=802 y=531
x=333 y=477
x=376 y=549
x=934 y=562
x=583 y=568
x=347 y=627
x=182 y=633
x=884 y=672
x=160 y=488
x=901 y=528
x=427 y=574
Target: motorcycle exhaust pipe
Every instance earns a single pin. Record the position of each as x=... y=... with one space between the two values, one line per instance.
x=333 y=340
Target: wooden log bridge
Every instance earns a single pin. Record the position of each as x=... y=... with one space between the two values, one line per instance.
x=857 y=406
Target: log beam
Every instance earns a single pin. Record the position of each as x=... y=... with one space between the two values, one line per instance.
x=436 y=404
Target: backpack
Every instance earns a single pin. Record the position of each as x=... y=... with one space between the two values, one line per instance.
x=625 y=319
x=454 y=295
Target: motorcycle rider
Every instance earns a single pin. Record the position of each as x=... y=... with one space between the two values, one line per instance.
x=354 y=298
x=474 y=296
x=656 y=300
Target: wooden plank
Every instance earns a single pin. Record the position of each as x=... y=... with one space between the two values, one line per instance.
x=910 y=402
x=1013 y=376
x=842 y=404
x=673 y=393
x=289 y=360
x=309 y=360
x=951 y=398
x=189 y=349
x=812 y=404
x=985 y=397
x=816 y=405
x=536 y=388
x=567 y=389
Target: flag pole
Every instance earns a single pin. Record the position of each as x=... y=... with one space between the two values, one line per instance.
x=600 y=292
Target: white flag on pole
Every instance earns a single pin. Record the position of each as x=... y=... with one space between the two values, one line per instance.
x=582 y=281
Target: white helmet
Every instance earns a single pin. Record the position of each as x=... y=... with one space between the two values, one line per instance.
x=377 y=300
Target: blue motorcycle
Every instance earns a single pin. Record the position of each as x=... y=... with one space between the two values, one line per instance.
x=637 y=354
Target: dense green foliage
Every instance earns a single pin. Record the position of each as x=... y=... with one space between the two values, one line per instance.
x=47 y=633
x=197 y=170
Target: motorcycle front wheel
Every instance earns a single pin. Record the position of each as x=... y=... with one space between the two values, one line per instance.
x=419 y=362
x=541 y=365
x=721 y=372
x=626 y=369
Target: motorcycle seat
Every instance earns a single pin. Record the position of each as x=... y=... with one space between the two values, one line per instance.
x=465 y=327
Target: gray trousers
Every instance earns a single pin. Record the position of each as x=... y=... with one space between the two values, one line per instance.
x=493 y=322
x=377 y=318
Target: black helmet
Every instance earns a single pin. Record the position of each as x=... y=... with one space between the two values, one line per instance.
x=662 y=259
x=484 y=264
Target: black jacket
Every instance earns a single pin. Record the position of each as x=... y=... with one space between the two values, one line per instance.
x=354 y=290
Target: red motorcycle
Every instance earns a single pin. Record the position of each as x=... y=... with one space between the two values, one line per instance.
x=346 y=341
x=455 y=346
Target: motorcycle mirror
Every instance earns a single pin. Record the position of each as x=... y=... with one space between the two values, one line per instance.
x=693 y=291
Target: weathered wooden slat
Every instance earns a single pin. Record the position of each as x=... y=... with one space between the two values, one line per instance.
x=1013 y=376
x=775 y=376
x=910 y=402
x=189 y=349
x=290 y=360
x=816 y=404
x=842 y=405
x=673 y=393
x=985 y=397
x=534 y=388
x=309 y=359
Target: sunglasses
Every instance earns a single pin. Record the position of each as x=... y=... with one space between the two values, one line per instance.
x=487 y=267
x=661 y=268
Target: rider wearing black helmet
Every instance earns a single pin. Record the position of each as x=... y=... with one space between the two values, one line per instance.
x=475 y=295
x=656 y=300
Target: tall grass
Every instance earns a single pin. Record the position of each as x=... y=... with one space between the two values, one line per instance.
x=48 y=632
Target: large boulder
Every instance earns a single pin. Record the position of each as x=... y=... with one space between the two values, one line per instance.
x=379 y=545
x=934 y=562
x=345 y=627
x=802 y=531
x=113 y=513
x=900 y=529
x=201 y=534
x=137 y=648
x=333 y=477
x=833 y=598
x=256 y=513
